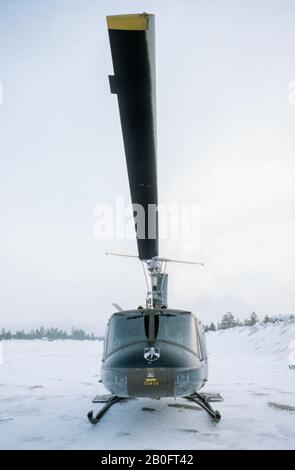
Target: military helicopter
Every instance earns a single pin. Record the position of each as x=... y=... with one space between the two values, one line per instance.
x=151 y=351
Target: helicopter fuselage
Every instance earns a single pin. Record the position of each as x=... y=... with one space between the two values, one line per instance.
x=154 y=353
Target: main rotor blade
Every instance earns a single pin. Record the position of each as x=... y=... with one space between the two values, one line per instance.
x=132 y=40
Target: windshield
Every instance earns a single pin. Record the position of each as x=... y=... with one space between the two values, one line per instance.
x=179 y=329
x=124 y=330
x=175 y=328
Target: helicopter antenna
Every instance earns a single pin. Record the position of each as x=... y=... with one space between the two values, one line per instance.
x=156 y=258
x=120 y=254
x=167 y=260
x=117 y=307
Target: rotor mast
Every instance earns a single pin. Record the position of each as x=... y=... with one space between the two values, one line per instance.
x=156 y=277
x=157 y=294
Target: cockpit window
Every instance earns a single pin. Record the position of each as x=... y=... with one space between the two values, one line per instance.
x=173 y=327
x=179 y=329
x=125 y=330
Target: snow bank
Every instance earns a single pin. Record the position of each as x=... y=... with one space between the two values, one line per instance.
x=272 y=339
x=46 y=390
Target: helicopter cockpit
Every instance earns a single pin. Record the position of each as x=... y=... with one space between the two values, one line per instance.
x=166 y=326
x=140 y=342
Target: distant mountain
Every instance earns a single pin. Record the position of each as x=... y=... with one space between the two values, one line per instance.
x=213 y=309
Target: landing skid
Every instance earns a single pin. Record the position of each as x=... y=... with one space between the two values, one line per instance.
x=201 y=399
x=109 y=400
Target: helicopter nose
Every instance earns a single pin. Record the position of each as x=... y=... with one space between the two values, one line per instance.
x=153 y=382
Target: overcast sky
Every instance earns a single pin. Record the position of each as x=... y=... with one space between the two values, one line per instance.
x=226 y=141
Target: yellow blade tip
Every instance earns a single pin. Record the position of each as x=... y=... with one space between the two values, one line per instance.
x=135 y=22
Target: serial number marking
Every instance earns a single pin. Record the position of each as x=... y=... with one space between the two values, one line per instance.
x=163 y=459
x=148 y=384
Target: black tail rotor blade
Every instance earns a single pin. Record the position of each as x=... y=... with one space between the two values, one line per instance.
x=132 y=41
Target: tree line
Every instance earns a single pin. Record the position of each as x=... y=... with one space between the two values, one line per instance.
x=49 y=334
x=229 y=321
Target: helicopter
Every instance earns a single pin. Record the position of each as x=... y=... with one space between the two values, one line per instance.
x=152 y=351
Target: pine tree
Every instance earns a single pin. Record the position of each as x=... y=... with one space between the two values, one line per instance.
x=212 y=327
x=252 y=320
x=228 y=321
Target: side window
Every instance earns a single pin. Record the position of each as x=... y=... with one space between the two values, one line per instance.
x=198 y=340
x=105 y=342
x=201 y=341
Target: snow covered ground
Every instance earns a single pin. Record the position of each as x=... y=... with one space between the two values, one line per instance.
x=46 y=390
